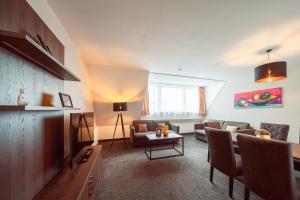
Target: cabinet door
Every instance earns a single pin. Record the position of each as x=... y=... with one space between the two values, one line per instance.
x=85 y=193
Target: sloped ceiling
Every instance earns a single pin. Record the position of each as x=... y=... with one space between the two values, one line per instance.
x=211 y=38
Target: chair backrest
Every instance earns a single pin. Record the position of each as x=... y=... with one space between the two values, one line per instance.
x=268 y=167
x=221 y=150
x=278 y=131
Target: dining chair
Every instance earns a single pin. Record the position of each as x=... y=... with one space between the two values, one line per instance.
x=268 y=168
x=222 y=156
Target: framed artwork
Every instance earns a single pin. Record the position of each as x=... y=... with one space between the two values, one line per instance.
x=66 y=100
x=268 y=98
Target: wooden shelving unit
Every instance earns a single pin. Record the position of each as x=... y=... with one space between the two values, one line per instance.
x=23 y=45
x=33 y=108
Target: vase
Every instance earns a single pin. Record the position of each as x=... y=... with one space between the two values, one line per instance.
x=21 y=97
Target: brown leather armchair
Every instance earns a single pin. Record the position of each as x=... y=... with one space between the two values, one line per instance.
x=278 y=131
x=268 y=168
x=222 y=156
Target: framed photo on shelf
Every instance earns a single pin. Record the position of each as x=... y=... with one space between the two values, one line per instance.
x=66 y=100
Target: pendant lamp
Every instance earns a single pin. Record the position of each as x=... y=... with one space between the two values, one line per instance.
x=272 y=71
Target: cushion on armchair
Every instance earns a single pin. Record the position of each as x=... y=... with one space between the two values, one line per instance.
x=142 y=127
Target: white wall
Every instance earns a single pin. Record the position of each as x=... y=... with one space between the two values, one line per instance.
x=113 y=84
x=223 y=108
x=80 y=91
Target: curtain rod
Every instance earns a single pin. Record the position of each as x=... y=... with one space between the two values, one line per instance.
x=188 y=77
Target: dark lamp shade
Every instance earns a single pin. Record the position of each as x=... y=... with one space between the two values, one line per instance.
x=120 y=106
x=270 y=72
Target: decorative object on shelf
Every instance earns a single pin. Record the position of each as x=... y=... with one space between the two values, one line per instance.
x=272 y=71
x=47 y=99
x=268 y=98
x=165 y=130
x=158 y=132
x=21 y=97
x=262 y=133
x=119 y=107
x=66 y=100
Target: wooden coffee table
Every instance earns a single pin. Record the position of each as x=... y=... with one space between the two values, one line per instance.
x=150 y=138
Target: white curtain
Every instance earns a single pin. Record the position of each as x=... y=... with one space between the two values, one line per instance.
x=166 y=99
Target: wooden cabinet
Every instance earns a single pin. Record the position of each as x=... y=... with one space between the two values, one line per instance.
x=18 y=16
x=92 y=182
x=80 y=183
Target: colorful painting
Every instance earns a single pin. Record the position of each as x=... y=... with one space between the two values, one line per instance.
x=268 y=98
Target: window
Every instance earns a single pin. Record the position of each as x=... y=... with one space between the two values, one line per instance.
x=167 y=99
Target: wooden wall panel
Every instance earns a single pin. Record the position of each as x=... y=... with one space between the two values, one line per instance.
x=31 y=143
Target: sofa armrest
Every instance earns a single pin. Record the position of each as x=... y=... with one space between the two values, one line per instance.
x=174 y=128
x=199 y=126
x=132 y=132
x=250 y=131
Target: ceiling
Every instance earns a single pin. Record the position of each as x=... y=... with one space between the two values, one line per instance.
x=203 y=38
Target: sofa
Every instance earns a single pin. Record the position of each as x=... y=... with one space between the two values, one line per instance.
x=138 y=139
x=218 y=124
x=278 y=131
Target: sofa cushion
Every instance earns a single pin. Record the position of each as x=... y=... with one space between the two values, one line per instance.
x=240 y=125
x=213 y=125
x=156 y=122
x=200 y=131
x=160 y=125
x=142 y=127
x=232 y=129
x=140 y=134
x=148 y=122
x=215 y=120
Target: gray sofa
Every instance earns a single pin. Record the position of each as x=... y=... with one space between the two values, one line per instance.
x=219 y=124
x=139 y=138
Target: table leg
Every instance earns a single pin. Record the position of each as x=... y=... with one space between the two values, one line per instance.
x=183 y=146
x=150 y=152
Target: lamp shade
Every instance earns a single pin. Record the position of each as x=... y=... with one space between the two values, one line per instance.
x=270 y=72
x=120 y=106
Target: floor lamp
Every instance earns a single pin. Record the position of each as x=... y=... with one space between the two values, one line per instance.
x=119 y=107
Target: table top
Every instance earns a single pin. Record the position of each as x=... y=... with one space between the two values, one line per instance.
x=295 y=147
x=172 y=135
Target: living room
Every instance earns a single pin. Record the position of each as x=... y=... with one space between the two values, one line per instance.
x=149 y=99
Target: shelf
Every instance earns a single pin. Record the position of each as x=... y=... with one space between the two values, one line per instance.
x=33 y=108
x=23 y=45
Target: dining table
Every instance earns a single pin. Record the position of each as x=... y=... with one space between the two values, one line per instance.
x=295 y=147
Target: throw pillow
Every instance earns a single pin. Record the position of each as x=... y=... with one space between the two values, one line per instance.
x=142 y=127
x=160 y=126
x=232 y=129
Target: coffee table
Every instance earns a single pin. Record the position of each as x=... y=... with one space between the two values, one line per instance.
x=150 y=138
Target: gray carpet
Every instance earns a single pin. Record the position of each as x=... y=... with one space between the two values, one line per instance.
x=128 y=174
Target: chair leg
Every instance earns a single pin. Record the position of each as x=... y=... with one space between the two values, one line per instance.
x=230 y=187
x=208 y=156
x=246 y=194
x=211 y=174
